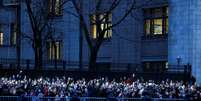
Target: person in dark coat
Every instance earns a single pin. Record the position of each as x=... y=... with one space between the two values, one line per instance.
x=192 y=80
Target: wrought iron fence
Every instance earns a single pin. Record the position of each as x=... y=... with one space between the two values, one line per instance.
x=180 y=71
x=67 y=65
x=36 y=98
x=46 y=64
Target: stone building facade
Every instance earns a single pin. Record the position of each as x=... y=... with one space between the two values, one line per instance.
x=158 y=34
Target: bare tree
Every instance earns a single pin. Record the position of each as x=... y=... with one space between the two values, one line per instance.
x=94 y=45
x=42 y=28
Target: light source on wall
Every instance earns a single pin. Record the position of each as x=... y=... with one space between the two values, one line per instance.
x=178 y=60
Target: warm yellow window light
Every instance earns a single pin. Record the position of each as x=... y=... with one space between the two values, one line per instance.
x=105 y=20
x=1 y=38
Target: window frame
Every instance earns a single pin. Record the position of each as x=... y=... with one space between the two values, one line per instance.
x=150 y=15
x=51 y=47
x=1 y=35
x=13 y=34
x=104 y=22
x=52 y=8
x=1 y=39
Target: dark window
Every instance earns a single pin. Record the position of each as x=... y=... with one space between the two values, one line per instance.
x=55 y=7
x=102 y=20
x=54 y=50
x=155 y=66
x=156 y=21
x=13 y=34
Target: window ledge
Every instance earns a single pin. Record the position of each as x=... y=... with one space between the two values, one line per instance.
x=7 y=46
x=163 y=36
x=107 y=39
x=55 y=15
x=104 y=40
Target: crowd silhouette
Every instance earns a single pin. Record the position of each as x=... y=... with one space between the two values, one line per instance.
x=125 y=87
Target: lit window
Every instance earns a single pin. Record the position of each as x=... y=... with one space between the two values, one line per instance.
x=166 y=25
x=1 y=35
x=93 y=31
x=13 y=34
x=55 y=7
x=156 y=21
x=157 y=26
x=1 y=38
x=147 y=27
x=104 y=21
x=166 y=65
x=58 y=50
x=58 y=7
x=54 y=50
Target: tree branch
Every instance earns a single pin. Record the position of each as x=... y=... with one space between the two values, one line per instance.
x=84 y=25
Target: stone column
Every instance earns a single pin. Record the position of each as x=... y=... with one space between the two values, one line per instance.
x=195 y=9
x=184 y=39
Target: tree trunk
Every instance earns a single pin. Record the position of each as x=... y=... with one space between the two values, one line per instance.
x=38 y=55
x=92 y=59
x=38 y=58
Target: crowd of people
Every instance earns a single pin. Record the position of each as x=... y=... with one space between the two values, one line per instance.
x=125 y=87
